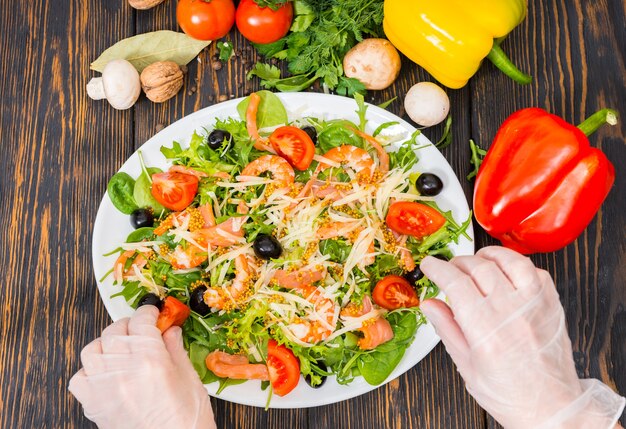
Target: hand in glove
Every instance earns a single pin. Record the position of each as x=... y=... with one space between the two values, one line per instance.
x=132 y=377
x=505 y=330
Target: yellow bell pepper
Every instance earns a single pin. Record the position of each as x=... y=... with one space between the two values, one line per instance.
x=450 y=38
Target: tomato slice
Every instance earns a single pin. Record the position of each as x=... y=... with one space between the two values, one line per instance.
x=418 y=220
x=294 y=145
x=174 y=313
x=394 y=292
x=283 y=367
x=174 y=190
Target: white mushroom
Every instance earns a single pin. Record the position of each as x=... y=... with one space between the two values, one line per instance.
x=427 y=104
x=375 y=62
x=119 y=84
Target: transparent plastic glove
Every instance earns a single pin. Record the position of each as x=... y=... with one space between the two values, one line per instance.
x=132 y=377
x=505 y=330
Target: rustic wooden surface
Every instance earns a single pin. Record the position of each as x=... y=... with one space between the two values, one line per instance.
x=59 y=149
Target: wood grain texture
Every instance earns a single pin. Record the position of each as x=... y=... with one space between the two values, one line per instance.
x=60 y=148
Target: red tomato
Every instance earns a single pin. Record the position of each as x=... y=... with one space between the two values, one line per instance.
x=394 y=292
x=294 y=145
x=174 y=313
x=174 y=190
x=205 y=20
x=284 y=368
x=418 y=220
x=262 y=24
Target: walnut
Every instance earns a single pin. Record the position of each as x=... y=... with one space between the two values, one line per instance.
x=161 y=80
x=144 y=4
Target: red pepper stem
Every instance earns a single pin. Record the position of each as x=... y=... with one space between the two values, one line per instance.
x=595 y=121
x=502 y=61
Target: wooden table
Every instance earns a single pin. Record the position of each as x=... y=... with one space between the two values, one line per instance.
x=59 y=149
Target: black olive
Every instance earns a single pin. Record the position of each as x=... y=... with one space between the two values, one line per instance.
x=312 y=132
x=414 y=276
x=267 y=247
x=217 y=138
x=141 y=218
x=150 y=299
x=442 y=257
x=196 y=301
x=308 y=380
x=429 y=184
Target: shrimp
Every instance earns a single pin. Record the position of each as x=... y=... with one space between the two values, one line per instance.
x=383 y=156
x=188 y=170
x=297 y=279
x=280 y=169
x=206 y=210
x=337 y=229
x=351 y=156
x=350 y=230
x=184 y=258
x=236 y=367
x=320 y=323
x=405 y=255
x=226 y=297
x=223 y=234
x=259 y=142
x=191 y=218
x=376 y=330
x=242 y=208
x=119 y=273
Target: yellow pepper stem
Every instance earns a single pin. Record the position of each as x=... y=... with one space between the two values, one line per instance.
x=502 y=61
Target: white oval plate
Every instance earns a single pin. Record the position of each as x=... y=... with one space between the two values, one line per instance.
x=112 y=227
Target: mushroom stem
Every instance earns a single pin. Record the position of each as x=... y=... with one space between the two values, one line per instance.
x=95 y=89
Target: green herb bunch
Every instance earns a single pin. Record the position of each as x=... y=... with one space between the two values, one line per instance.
x=322 y=33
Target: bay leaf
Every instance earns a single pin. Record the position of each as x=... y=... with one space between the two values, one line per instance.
x=147 y=48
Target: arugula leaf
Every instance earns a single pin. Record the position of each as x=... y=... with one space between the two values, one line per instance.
x=337 y=250
x=446 y=137
x=478 y=155
x=386 y=104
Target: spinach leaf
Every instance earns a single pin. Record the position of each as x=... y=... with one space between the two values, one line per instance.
x=376 y=366
x=140 y=234
x=120 y=190
x=142 y=191
x=197 y=356
x=334 y=133
x=271 y=110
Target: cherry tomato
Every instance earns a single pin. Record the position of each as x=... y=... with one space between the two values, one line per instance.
x=294 y=145
x=394 y=292
x=174 y=313
x=418 y=220
x=262 y=24
x=283 y=367
x=204 y=19
x=174 y=190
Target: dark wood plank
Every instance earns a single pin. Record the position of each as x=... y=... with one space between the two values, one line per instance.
x=60 y=149
x=575 y=51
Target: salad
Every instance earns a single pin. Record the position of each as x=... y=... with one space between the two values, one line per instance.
x=285 y=248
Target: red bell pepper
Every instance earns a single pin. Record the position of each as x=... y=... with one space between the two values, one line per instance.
x=540 y=183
